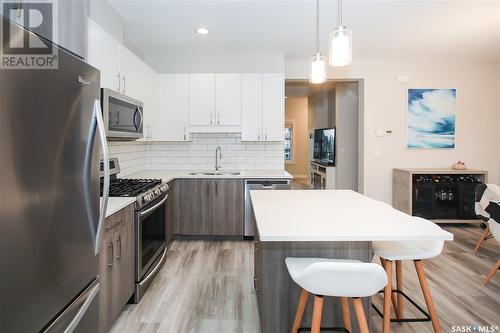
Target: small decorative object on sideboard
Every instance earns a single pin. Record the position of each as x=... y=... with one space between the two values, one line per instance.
x=460 y=165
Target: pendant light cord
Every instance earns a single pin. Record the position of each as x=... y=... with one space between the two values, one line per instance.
x=341 y=13
x=317 y=26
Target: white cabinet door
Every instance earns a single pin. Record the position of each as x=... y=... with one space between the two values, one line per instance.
x=108 y=59
x=273 y=106
x=251 y=104
x=132 y=73
x=228 y=99
x=169 y=118
x=202 y=99
x=92 y=37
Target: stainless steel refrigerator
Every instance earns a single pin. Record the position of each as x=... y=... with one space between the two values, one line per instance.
x=51 y=138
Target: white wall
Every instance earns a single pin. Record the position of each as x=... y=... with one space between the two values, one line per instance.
x=384 y=103
x=216 y=63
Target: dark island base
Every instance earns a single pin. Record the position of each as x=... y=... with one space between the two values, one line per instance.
x=278 y=295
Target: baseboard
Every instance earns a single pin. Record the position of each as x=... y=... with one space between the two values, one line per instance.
x=299 y=176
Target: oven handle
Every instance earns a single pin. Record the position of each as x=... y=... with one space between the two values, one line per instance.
x=160 y=262
x=150 y=210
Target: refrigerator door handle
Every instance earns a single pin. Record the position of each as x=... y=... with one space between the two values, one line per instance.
x=105 y=191
x=83 y=309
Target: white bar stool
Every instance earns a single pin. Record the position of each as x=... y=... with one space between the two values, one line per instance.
x=411 y=250
x=332 y=277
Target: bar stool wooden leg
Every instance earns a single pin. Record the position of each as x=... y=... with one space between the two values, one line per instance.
x=387 y=297
x=360 y=315
x=393 y=297
x=399 y=285
x=419 y=266
x=492 y=272
x=346 y=314
x=304 y=294
x=317 y=313
x=481 y=240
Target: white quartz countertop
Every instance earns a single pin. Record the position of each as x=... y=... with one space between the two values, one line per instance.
x=168 y=175
x=115 y=204
x=335 y=215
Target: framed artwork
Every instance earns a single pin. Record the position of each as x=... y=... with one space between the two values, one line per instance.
x=431 y=118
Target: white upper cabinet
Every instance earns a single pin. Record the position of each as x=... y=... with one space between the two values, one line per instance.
x=263 y=107
x=251 y=104
x=170 y=119
x=121 y=69
x=202 y=99
x=214 y=100
x=228 y=99
x=273 y=106
x=104 y=54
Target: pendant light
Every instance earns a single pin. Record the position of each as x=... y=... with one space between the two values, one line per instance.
x=318 y=62
x=340 y=42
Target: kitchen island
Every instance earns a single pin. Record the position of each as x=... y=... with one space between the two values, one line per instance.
x=337 y=224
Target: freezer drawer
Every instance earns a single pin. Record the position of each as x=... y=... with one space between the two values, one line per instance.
x=81 y=316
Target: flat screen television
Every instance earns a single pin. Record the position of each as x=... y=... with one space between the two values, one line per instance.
x=324 y=146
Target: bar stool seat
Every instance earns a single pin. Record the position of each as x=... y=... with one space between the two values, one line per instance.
x=334 y=277
x=390 y=252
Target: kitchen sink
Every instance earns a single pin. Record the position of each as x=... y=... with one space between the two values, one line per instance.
x=215 y=173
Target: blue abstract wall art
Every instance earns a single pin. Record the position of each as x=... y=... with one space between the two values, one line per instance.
x=431 y=118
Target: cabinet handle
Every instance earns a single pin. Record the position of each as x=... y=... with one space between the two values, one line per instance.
x=258 y=137
x=218 y=117
x=208 y=188
x=110 y=258
x=119 y=86
x=124 y=84
x=266 y=136
x=216 y=187
x=119 y=244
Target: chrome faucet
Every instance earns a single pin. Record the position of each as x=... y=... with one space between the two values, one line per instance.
x=217 y=166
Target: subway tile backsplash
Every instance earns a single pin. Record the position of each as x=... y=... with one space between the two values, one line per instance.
x=198 y=154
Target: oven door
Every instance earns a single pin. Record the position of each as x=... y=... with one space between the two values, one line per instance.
x=123 y=116
x=150 y=235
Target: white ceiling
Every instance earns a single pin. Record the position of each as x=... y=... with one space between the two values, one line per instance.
x=389 y=29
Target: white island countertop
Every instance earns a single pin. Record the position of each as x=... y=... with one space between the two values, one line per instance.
x=115 y=204
x=335 y=215
x=168 y=175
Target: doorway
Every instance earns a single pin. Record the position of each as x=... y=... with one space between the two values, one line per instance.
x=322 y=134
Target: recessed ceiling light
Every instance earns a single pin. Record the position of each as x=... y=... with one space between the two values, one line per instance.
x=202 y=31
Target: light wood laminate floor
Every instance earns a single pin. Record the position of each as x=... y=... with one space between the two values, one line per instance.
x=208 y=287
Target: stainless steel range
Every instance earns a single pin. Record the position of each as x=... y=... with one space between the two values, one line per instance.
x=149 y=218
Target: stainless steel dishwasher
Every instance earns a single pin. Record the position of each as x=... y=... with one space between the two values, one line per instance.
x=259 y=184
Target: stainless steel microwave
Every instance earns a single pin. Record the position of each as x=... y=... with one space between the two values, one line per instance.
x=123 y=116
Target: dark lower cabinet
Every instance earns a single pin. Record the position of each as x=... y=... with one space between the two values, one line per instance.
x=212 y=207
x=228 y=207
x=116 y=262
x=196 y=206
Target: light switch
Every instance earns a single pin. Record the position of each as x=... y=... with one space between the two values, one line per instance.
x=401 y=78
